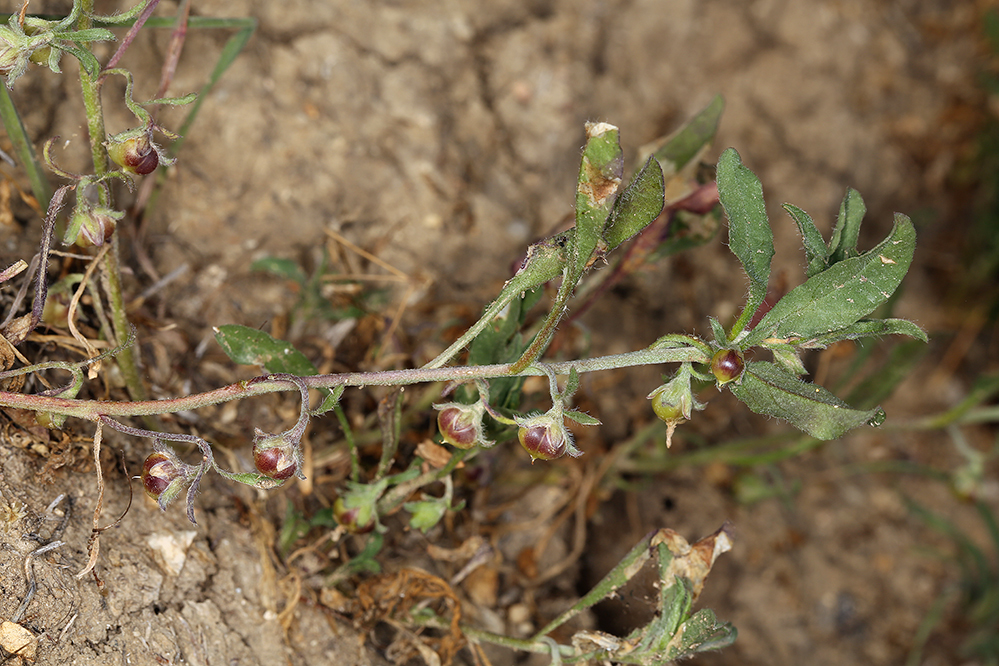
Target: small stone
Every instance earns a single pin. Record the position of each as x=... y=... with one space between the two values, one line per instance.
x=17 y=640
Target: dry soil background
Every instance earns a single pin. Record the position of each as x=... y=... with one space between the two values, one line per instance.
x=443 y=136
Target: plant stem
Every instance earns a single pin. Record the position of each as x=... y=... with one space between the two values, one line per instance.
x=92 y=410
x=91 y=89
x=119 y=321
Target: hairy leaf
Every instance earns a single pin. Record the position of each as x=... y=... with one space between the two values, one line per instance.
x=867 y=328
x=842 y=294
x=638 y=206
x=843 y=244
x=680 y=148
x=771 y=390
x=749 y=234
x=816 y=252
x=249 y=346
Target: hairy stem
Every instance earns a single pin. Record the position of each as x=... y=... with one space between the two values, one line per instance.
x=91 y=89
x=92 y=410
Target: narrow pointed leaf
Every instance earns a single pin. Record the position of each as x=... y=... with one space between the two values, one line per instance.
x=717 y=330
x=771 y=390
x=683 y=146
x=638 y=206
x=749 y=234
x=87 y=59
x=843 y=244
x=867 y=328
x=816 y=252
x=842 y=294
x=88 y=35
x=599 y=179
x=582 y=418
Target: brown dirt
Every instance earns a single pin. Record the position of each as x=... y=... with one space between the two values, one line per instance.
x=443 y=138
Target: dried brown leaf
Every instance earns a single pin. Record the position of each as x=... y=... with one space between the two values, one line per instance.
x=694 y=562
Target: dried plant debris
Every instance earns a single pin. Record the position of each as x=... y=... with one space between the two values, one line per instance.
x=399 y=599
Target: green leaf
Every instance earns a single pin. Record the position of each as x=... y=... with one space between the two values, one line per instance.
x=571 y=384
x=683 y=146
x=717 y=330
x=582 y=418
x=284 y=268
x=842 y=294
x=866 y=328
x=426 y=513
x=787 y=357
x=173 y=101
x=88 y=35
x=749 y=235
x=331 y=398
x=675 y=601
x=23 y=148
x=86 y=58
x=843 y=244
x=700 y=633
x=638 y=206
x=816 y=252
x=599 y=179
x=248 y=346
x=771 y=390
x=500 y=342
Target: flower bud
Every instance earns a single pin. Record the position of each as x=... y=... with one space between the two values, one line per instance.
x=674 y=401
x=669 y=408
x=275 y=456
x=541 y=442
x=41 y=55
x=134 y=151
x=95 y=227
x=460 y=425
x=135 y=155
x=90 y=224
x=356 y=520
x=164 y=476
x=727 y=366
x=8 y=58
x=545 y=437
